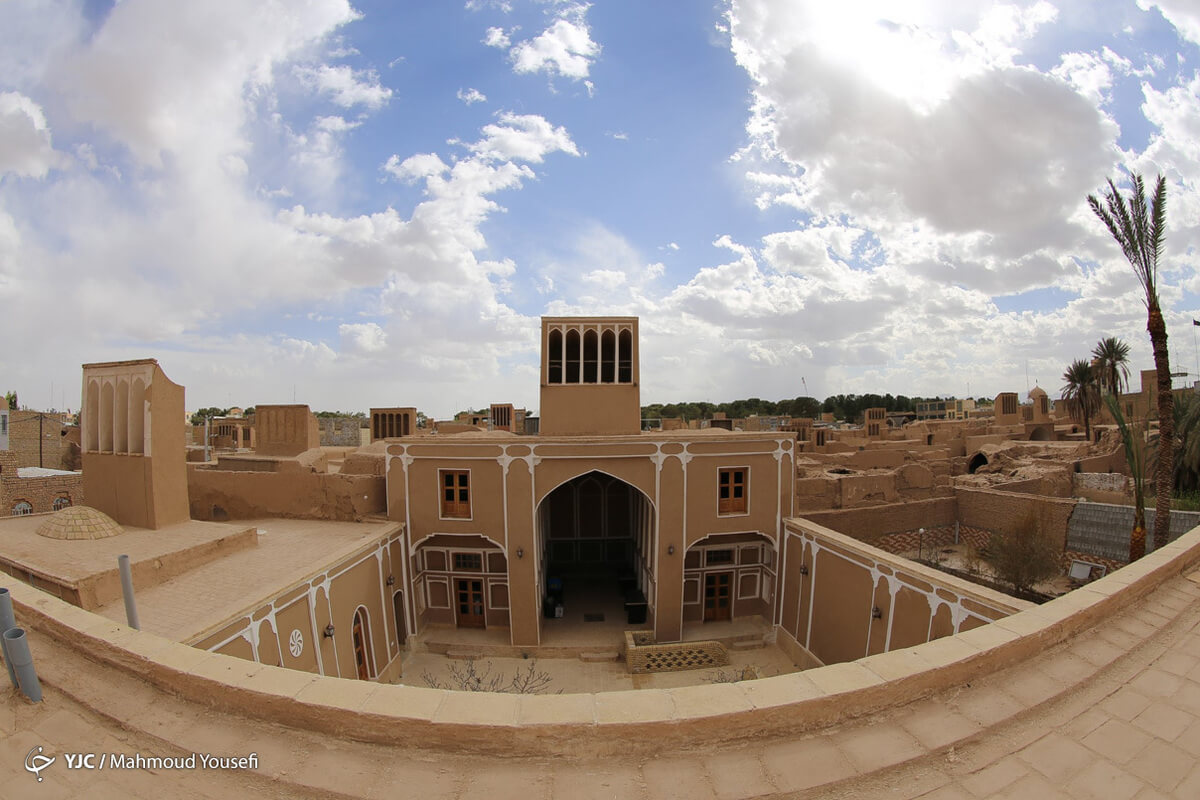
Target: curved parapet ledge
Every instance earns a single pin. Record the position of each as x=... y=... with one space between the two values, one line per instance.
x=640 y=721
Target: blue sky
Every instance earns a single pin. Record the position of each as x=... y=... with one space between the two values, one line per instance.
x=371 y=204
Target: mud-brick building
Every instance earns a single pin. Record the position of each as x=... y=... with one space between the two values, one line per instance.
x=687 y=522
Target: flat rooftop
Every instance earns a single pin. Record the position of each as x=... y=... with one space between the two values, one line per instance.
x=286 y=552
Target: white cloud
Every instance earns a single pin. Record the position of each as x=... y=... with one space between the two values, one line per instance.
x=1183 y=14
x=565 y=48
x=345 y=86
x=1088 y=73
x=164 y=79
x=522 y=137
x=25 y=147
x=496 y=37
x=413 y=168
x=471 y=96
x=363 y=338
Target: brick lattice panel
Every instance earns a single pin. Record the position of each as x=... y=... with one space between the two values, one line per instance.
x=642 y=655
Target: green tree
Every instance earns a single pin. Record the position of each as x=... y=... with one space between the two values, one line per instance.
x=1111 y=358
x=1135 y=456
x=1081 y=393
x=1140 y=230
x=1023 y=557
x=1187 y=444
x=211 y=411
x=11 y=399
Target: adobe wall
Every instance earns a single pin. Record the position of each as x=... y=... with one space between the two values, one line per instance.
x=1103 y=487
x=643 y=723
x=874 y=522
x=340 y=431
x=298 y=494
x=1003 y=511
x=285 y=430
x=289 y=630
x=27 y=433
x=854 y=601
x=38 y=492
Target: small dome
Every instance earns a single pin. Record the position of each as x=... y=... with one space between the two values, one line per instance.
x=1037 y=391
x=79 y=522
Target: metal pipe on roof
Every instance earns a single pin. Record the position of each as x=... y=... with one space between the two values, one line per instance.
x=7 y=620
x=131 y=613
x=17 y=649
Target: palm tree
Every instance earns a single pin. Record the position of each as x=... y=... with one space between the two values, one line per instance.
x=1081 y=393
x=1187 y=444
x=1140 y=231
x=1111 y=357
x=1135 y=456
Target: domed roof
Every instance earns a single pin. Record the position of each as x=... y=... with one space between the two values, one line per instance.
x=1037 y=391
x=79 y=522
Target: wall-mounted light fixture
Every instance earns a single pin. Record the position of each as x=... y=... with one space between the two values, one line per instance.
x=804 y=569
x=670 y=549
x=520 y=552
x=329 y=631
x=876 y=612
x=391 y=580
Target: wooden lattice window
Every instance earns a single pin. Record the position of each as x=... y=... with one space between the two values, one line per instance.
x=715 y=558
x=731 y=491
x=468 y=562
x=456 y=493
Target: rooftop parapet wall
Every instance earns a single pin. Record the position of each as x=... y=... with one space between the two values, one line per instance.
x=644 y=723
x=846 y=600
x=222 y=494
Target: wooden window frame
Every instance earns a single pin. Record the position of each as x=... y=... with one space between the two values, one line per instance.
x=457 y=565
x=457 y=506
x=728 y=503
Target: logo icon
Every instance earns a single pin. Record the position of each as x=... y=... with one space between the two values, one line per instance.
x=37 y=763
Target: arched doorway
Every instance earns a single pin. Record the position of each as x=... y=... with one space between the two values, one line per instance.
x=1041 y=434
x=361 y=636
x=595 y=537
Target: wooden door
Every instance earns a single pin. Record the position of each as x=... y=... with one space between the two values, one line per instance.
x=469 y=599
x=362 y=647
x=718 y=596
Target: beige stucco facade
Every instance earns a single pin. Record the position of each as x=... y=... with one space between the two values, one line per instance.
x=685 y=524
x=539 y=506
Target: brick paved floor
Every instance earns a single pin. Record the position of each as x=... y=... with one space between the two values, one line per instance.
x=1113 y=713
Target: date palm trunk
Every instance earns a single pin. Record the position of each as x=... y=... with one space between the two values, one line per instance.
x=1164 y=473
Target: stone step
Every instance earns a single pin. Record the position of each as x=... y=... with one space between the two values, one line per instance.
x=610 y=655
x=748 y=644
x=464 y=654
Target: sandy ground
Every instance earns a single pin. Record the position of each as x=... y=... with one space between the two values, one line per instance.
x=571 y=675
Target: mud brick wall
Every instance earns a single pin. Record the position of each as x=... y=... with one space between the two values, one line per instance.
x=1004 y=511
x=38 y=492
x=871 y=523
x=26 y=432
